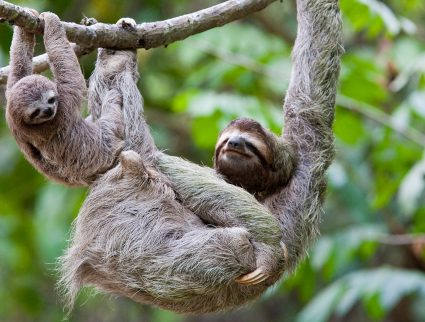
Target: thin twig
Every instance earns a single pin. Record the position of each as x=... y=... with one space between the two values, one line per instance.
x=400 y=240
x=380 y=117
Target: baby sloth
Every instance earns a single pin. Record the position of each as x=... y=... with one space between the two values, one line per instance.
x=250 y=156
x=44 y=116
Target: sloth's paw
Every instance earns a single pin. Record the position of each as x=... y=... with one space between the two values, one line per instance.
x=128 y=24
x=252 y=278
x=86 y=21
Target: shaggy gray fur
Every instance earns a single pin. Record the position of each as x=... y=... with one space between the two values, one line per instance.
x=117 y=69
x=45 y=118
x=309 y=114
x=134 y=238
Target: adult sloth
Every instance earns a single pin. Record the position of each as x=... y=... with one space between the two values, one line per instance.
x=187 y=285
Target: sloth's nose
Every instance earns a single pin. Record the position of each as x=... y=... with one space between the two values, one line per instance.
x=235 y=142
x=48 y=111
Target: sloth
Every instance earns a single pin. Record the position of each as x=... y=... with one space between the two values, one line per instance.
x=299 y=158
x=45 y=118
x=133 y=238
x=248 y=155
x=136 y=236
x=141 y=232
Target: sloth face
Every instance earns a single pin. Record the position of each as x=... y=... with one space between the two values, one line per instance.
x=243 y=155
x=33 y=100
x=42 y=109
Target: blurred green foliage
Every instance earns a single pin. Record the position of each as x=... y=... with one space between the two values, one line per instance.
x=358 y=270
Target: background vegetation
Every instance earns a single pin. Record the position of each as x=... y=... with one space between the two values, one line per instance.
x=358 y=270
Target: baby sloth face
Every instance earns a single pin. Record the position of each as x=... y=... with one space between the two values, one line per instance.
x=32 y=100
x=42 y=109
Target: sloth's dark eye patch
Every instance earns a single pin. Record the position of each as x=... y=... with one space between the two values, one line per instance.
x=51 y=100
x=254 y=150
x=250 y=146
x=35 y=114
x=36 y=154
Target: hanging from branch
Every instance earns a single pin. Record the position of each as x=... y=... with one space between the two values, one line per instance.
x=139 y=232
x=128 y=241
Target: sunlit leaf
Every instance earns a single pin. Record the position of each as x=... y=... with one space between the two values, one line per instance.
x=379 y=289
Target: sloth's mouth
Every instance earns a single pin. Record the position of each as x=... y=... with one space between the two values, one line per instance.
x=236 y=151
x=49 y=117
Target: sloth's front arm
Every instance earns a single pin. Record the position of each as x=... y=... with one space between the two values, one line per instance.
x=222 y=204
x=63 y=62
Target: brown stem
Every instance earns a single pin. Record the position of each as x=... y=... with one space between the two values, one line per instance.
x=146 y=35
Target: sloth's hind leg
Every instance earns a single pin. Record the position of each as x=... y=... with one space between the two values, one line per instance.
x=214 y=256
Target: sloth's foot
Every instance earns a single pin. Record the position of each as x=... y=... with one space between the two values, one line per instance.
x=132 y=163
x=259 y=275
x=33 y=11
x=128 y=24
x=86 y=21
x=252 y=278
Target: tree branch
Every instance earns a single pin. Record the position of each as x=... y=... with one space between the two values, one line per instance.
x=41 y=63
x=147 y=35
x=400 y=240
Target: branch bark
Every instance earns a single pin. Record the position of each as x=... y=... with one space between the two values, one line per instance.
x=41 y=62
x=147 y=35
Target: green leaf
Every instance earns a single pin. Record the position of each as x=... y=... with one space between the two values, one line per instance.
x=205 y=130
x=374 y=17
x=417 y=102
x=412 y=188
x=165 y=316
x=373 y=306
x=55 y=208
x=336 y=252
x=322 y=252
x=360 y=77
x=181 y=101
x=322 y=307
x=379 y=289
x=349 y=128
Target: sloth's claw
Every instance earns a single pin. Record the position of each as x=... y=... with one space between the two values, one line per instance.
x=86 y=21
x=252 y=278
